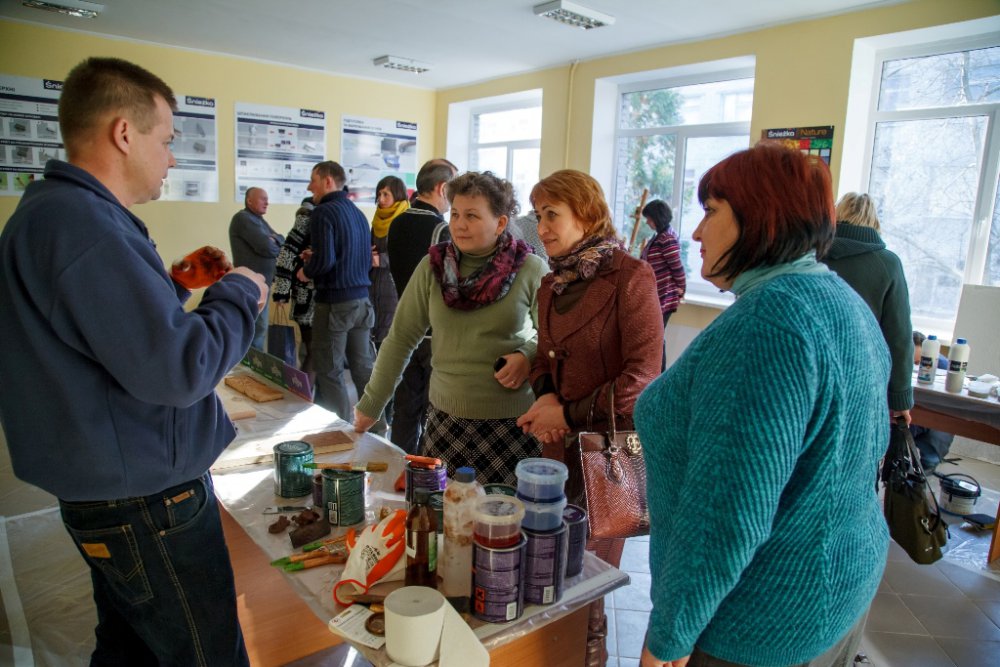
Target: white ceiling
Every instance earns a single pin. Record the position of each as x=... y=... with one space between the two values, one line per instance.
x=466 y=41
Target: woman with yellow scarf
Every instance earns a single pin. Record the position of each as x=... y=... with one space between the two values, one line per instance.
x=390 y=197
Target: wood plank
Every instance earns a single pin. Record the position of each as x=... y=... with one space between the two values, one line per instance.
x=278 y=626
x=940 y=421
x=562 y=643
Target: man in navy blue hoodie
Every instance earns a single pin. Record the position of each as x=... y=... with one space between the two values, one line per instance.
x=108 y=383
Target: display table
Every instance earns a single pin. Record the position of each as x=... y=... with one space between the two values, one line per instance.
x=961 y=414
x=271 y=601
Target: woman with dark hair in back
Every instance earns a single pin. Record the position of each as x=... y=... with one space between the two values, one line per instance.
x=767 y=540
x=390 y=198
x=663 y=252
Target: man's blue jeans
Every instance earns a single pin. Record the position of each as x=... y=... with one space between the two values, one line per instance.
x=163 y=582
x=342 y=331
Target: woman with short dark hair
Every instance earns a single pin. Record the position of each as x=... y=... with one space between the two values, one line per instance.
x=663 y=252
x=767 y=540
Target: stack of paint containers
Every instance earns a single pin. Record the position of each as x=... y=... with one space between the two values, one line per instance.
x=498 y=558
x=541 y=487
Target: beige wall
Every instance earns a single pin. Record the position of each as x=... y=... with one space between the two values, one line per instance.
x=178 y=227
x=801 y=79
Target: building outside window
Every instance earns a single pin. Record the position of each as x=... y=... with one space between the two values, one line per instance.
x=668 y=133
x=934 y=147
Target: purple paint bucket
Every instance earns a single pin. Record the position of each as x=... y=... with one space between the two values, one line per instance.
x=576 y=523
x=545 y=565
x=432 y=479
x=497 y=582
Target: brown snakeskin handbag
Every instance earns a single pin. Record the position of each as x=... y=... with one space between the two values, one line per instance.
x=607 y=476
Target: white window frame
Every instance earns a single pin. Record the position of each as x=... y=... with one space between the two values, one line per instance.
x=863 y=116
x=509 y=146
x=698 y=292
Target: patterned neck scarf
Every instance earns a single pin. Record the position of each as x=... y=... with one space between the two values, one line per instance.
x=583 y=262
x=486 y=285
x=384 y=217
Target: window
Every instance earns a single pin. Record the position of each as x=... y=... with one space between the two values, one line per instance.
x=501 y=134
x=934 y=142
x=507 y=142
x=668 y=133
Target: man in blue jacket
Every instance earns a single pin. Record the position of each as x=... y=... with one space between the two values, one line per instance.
x=108 y=383
x=338 y=262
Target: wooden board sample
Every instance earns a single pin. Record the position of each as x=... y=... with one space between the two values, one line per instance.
x=329 y=441
x=255 y=389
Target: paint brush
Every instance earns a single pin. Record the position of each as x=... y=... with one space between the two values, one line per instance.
x=371 y=466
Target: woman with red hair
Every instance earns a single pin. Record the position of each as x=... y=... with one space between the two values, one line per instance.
x=599 y=326
x=767 y=541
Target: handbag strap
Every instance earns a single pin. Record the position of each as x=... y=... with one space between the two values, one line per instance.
x=612 y=424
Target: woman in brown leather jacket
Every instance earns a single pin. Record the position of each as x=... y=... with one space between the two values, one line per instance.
x=599 y=322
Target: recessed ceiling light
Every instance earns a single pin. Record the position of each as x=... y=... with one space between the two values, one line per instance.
x=573 y=14
x=404 y=64
x=75 y=8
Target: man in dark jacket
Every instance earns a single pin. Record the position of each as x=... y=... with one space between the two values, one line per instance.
x=255 y=245
x=338 y=264
x=410 y=235
x=108 y=397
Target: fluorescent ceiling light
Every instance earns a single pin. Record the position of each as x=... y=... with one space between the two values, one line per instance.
x=573 y=14
x=76 y=8
x=404 y=64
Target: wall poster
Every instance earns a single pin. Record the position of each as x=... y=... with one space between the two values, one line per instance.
x=276 y=149
x=816 y=141
x=29 y=130
x=372 y=148
x=196 y=176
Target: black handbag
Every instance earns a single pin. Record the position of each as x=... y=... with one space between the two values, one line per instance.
x=910 y=508
x=607 y=476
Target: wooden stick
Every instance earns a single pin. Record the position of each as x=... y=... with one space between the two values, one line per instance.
x=371 y=466
x=637 y=216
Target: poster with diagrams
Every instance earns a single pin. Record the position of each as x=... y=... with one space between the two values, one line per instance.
x=276 y=149
x=29 y=130
x=372 y=148
x=196 y=176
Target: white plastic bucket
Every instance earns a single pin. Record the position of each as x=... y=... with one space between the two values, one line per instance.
x=959 y=493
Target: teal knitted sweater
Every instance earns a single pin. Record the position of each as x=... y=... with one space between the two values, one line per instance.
x=464 y=346
x=762 y=443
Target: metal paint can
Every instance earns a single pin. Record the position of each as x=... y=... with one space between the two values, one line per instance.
x=343 y=497
x=498 y=582
x=436 y=503
x=576 y=524
x=291 y=479
x=545 y=565
x=432 y=479
x=499 y=489
x=318 y=490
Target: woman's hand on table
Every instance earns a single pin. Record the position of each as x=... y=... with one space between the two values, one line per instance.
x=362 y=422
x=650 y=660
x=545 y=419
x=513 y=371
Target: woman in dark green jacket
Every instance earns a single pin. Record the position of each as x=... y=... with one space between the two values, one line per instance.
x=860 y=257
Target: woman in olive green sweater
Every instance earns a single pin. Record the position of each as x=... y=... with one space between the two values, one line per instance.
x=859 y=256
x=478 y=292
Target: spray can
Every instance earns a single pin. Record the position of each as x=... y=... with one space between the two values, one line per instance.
x=455 y=565
x=958 y=361
x=929 y=351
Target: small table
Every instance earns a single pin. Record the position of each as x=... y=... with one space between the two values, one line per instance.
x=961 y=414
x=244 y=490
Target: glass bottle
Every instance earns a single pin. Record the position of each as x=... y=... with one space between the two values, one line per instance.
x=421 y=542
